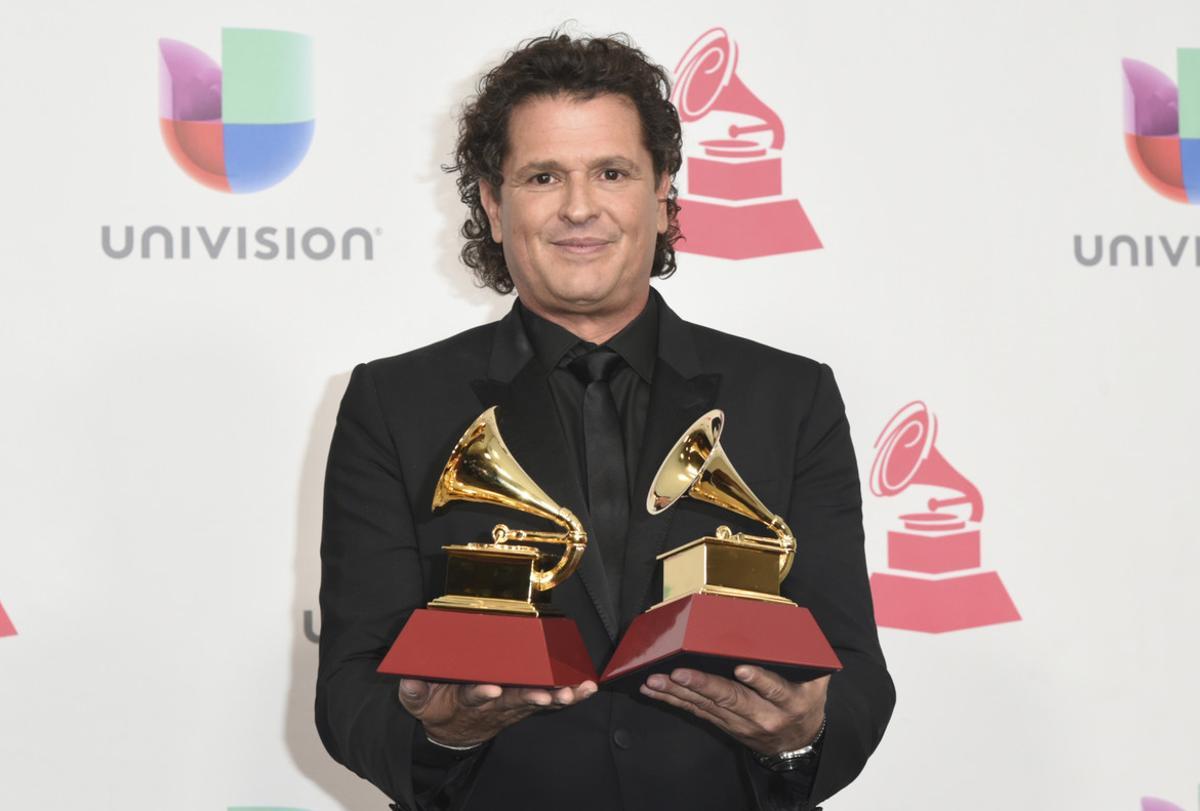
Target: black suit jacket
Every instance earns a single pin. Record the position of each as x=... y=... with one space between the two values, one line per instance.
x=786 y=431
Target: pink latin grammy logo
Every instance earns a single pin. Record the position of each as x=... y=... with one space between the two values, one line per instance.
x=734 y=205
x=6 y=626
x=934 y=583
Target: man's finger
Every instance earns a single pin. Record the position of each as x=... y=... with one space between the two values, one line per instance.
x=566 y=696
x=414 y=694
x=476 y=695
x=796 y=698
x=771 y=686
x=659 y=683
x=414 y=688
x=535 y=697
x=720 y=691
x=686 y=706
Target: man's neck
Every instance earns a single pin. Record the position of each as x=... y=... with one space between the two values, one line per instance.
x=595 y=328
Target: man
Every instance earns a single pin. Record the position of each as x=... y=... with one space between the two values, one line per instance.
x=566 y=160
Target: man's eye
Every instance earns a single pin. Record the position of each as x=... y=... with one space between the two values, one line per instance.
x=543 y=178
x=613 y=174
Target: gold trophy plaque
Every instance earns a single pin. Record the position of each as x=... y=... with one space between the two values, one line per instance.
x=494 y=624
x=721 y=604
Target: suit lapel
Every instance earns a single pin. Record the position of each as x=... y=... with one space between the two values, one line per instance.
x=679 y=394
x=519 y=386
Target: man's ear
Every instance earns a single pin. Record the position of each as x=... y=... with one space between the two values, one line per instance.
x=490 y=197
x=664 y=187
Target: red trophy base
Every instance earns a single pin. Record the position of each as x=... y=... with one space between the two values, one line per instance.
x=712 y=228
x=715 y=634
x=485 y=648
x=937 y=606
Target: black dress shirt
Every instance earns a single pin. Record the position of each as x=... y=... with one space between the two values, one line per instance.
x=637 y=344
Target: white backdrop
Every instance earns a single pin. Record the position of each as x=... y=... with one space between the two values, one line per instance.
x=165 y=422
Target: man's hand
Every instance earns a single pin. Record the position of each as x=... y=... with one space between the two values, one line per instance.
x=467 y=714
x=762 y=710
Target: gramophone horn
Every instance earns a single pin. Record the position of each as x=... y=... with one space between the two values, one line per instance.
x=706 y=79
x=697 y=467
x=482 y=469
x=908 y=455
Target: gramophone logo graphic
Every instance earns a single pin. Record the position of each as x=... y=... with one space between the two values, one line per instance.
x=244 y=125
x=934 y=582
x=6 y=626
x=733 y=206
x=1162 y=125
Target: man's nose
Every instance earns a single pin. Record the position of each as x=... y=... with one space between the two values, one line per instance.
x=579 y=200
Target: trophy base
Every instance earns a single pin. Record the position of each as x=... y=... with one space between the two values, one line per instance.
x=715 y=634
x=489 y=648
x=937 y=606
x=712 y=228
x=461 y=602
x=727 y=591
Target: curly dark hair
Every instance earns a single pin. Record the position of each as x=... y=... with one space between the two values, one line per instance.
x=581 y=68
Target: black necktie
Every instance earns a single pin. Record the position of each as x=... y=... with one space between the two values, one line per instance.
x=604 y=456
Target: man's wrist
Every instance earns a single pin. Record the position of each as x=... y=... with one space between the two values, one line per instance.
x=436 y=753
x=452 y=747
x=793 y=759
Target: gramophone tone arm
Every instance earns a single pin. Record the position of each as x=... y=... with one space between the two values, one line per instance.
x=502 y=533
x=575 y=539
x=787 y=541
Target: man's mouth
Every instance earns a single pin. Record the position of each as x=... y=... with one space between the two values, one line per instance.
x=582 y=245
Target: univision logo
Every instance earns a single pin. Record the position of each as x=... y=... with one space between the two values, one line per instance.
x=265 y=242
x=244 y=125
x=1162 y=126
x=1162 y=138
x=1158 y=804
x=240 y=126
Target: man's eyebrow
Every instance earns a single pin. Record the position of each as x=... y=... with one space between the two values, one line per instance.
x=614 y=160
x=552 y=166
x=539 y=166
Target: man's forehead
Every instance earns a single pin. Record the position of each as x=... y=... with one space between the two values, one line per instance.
x=567 y=129
x=573 y=101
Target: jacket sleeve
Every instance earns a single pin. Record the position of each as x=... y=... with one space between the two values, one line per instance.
x=370 y=584
x=829 y=578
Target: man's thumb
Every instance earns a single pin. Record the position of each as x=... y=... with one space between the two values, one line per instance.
x=413 y=690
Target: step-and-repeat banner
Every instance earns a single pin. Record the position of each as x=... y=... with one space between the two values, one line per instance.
x=980 y=215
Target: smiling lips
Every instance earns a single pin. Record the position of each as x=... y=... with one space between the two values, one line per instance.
x=582 y=246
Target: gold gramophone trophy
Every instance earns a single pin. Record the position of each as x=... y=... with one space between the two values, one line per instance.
x=721 y=604
x=494 y=624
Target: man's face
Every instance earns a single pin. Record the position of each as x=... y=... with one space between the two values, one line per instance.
x=580 y=208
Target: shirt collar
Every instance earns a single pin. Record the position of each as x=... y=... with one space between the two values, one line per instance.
x=637 y=343
x=549 y=341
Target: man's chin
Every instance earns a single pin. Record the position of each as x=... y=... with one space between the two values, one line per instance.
x=605 y=305
x=580 y=295
x=589 y=300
